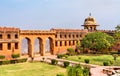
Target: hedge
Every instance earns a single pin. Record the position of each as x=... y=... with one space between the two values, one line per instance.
x=15 y=55
x=13 y=61
x=2 y=57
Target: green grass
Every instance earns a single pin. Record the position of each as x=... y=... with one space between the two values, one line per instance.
x=30 y=69
x=94 y=59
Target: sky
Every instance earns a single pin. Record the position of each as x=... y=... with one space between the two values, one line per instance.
x=67 y=14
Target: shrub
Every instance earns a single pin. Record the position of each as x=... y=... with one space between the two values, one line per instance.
x=54 y=62
x=86 y=60
x=60 y=74
x=105 y=63
x=59 y=56
x=111 y=62
x=66 y=64
x=21 y=60
x=2 y=57
x=86 y=72
x=5 y=62
x=71 y=51
x=13 y=61
x=15 y=55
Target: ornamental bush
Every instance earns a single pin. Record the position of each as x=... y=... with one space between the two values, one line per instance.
x=60 y=74
x=54 y=62
x=86 y=60
x=15 y=55
x=66 y=64
x=105 y=63
x=2 y=57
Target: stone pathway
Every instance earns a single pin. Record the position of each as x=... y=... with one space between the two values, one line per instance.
x=95 y=69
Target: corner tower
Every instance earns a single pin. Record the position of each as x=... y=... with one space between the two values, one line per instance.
x=90 y=23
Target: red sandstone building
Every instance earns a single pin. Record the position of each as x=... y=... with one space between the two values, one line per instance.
x=60 y=39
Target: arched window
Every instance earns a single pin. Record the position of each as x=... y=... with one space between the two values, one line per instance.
x=0 y=36
x=65 y=36
x=69 y=36
x=9 y=46
x=8 y=36
x=1 y=46
x=60 y=36
x=55 y=36
x=76 y=36
x=56 y=43
x=65 y=43
x=69 y=43
x=16 y=36
x=16 y=45
x=60 y=43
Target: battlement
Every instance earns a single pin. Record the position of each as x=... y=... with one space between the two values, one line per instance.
x=69 y=30
x=37 y=32
x=9 y=29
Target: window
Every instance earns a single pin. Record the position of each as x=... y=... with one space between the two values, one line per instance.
x=69 y=36
x=8 y=36
x=0 y=36
x=73 y=42
x=16 y=45
x=56 y=43
x=77 y=36
x=73 y=36
x=69 y=43
x=60 y=36
x=65 y=36
x=16 y=36
x=60 y=43
x=55 y=36
x=1 y=46
x=9 y=46
x=65 y=43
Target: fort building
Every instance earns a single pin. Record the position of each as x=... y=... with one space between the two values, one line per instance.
x=59 y=39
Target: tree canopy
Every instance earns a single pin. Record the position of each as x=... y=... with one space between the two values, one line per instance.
x=97 y=41
x=117 y=33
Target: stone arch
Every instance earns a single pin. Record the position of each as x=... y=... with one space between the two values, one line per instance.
x=26 y=47
x=38 y=46
x=51 y=45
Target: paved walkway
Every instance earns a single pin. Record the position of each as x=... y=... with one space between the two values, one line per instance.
x=95 y=69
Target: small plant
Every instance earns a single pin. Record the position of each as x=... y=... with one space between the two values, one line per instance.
x=111 y=62
x=60 y=74
x=115 y=56
x=71 y=51
x=15 y=55
x=43 y=59
x=66 y=64
x=87 y=61
x=59 y=56
x=54 y=62
x=79 y=58
x=2 y=57
x=105 y=63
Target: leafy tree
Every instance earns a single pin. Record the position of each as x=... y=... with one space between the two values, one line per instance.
x=97 y=41
x=117 y=33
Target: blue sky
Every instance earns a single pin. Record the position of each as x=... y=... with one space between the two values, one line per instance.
x=47 y=14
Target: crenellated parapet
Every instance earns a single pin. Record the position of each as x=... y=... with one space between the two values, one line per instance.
x=36 y=32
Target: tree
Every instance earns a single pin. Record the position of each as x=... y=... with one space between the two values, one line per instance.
x=97 y=41
x=117 y=33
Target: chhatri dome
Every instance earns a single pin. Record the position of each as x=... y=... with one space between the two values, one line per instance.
x=90 y=23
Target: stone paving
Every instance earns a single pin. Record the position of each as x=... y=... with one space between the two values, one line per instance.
x=95 y=69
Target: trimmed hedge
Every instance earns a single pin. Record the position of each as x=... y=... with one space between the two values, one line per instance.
x=54 y=62
x=13 y=61
x=105 y=63
x=2 y=57
x=87 y=61
x=66 y=64
x=15 y=55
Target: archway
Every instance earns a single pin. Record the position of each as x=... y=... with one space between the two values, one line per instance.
x=26 y=47
x=38 y=46
x=49 y=45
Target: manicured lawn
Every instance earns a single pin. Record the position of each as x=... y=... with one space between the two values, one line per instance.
x=31 y=69
x=96 y=59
